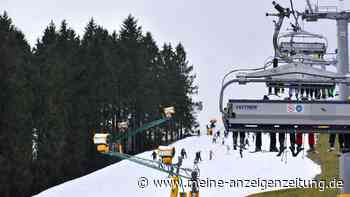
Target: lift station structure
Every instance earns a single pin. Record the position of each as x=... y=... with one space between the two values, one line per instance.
x=298 y=69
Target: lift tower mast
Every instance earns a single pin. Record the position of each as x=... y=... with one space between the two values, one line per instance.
x=342 y=19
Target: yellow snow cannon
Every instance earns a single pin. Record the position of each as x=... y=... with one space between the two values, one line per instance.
x=102 y=142
x=169 y=111
x=183 y=194
x=167 y=154
x=175 y=186
x=209 y=131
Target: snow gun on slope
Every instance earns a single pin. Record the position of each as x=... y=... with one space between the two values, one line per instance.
x=106 y=142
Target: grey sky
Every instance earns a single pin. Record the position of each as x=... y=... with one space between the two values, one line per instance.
x=216 y=34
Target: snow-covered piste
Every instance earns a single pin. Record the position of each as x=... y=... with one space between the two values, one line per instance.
x=121 y=179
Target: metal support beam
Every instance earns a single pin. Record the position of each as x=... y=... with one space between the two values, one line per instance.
x=343 y=56
x=342 y=18
x=343 y=69
x=344 y=162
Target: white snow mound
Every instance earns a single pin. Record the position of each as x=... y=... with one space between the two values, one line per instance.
x=121 y=179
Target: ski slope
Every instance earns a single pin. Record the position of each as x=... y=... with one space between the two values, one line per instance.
x=121 y=179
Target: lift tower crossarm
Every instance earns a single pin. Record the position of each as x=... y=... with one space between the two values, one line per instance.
x=326 y=15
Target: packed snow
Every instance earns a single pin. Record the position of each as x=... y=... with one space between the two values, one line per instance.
x=121 y=179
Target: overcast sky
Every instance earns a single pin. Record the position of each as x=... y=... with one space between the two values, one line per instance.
x=218 y=35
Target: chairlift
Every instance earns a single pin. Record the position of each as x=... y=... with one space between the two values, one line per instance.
x=302 y=43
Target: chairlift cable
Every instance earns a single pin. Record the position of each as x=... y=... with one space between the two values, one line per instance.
x=294 y=15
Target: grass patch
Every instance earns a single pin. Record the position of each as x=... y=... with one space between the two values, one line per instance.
x=330 y=169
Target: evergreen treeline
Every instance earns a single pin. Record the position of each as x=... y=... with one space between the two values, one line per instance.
x=55 y=96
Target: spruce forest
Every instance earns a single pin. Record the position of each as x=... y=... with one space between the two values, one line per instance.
x=57 y=94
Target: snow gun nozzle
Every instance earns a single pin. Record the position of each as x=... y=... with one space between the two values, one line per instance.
x=272 y=14
x=278 y=7
x=283 y=11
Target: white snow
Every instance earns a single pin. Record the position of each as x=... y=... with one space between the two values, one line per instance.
x=121 y=179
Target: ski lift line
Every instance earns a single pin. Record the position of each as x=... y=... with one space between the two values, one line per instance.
x=295 y=14
x=278 y=26
x=309 y=5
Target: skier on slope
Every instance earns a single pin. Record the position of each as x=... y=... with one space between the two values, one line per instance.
x=211 y=154
x=311 y=140
x=183 y=153
x=198 y=157
x=247 y=141
x=179 y=161
x=154 y=155
x=218 y=133
x=160 y=163
x=214 y=139
x=299 y=142
x=235 y=136
x=331 y=142
x=225 y=133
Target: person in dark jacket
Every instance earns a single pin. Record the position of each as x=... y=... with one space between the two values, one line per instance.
x=242 y=140
x=273 y=147
x=258 y=142
x=332 y=141
x=218 y=133
x=183 y=153
x=241 y=136
x=234 y=139
x=273 y=140
x=214 y=139
x=173 y=153
x=211 y=154
x=154 y=155
x=346 y=148
x=225 y=133
x=198 y=157
x=282 y=138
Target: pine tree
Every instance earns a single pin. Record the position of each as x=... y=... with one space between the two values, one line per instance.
x=133 y=67
x=59 y=94
x=15 y=115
